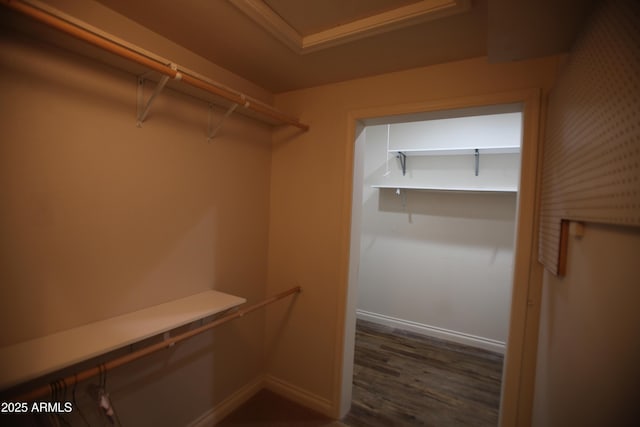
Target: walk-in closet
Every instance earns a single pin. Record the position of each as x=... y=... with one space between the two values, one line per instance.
x=322 y=213
x=438 y=223
x=437 y=235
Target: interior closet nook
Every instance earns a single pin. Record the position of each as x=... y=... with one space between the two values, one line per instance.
x=438 y=223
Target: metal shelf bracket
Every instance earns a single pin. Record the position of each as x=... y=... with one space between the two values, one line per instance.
x=212 y=132
x=143 y=108
x=403 y=162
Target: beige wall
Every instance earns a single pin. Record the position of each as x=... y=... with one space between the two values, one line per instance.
x=105 y=19
x=310 y=196
x=589 y=340
x=99 y=218
x=588 y=347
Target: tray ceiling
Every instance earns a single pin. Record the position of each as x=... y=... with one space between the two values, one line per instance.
x=502 y=30
x=307 y=27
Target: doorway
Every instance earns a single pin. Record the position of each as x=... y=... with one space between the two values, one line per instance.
x=514 y=398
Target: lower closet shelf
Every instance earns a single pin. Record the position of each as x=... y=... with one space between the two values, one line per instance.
x=40 y=356
x=461 y=189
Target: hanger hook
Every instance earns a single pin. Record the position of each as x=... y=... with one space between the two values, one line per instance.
x=103 y=376
x=64 y=389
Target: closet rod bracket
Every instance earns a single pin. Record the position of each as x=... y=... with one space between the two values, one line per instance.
x=212 y=132
x=167 y=337
x=144 y=107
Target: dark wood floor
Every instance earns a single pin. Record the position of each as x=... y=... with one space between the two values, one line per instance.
x=268 y=409
x=405 y=379
x=400 y=379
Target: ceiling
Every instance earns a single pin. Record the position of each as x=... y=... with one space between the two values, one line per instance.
x=268 y=48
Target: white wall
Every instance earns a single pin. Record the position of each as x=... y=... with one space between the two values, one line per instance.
x=438 y=263
x=496 y=171
x=482 y=131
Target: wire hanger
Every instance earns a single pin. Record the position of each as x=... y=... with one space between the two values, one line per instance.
x=104 y=402
x=75 y=403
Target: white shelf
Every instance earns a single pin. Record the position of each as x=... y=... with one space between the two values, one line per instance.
x=461 y=189
x=32 y=359
x=457 y=151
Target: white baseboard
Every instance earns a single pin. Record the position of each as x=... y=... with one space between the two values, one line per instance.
x=299 y=395
x=228 y=405
x=433 y=331
x=276 y=385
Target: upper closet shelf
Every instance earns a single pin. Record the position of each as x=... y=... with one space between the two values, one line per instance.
x=475 y=151
x=457 y=151
x=147 y=65
x=40 y=356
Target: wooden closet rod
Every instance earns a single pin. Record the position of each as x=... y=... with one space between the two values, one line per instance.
x=122 y=360
x=131 y=54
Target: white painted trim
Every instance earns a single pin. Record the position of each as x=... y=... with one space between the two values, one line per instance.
x=299 y=395
x=433 y=331
x=264 y=16
x=230 y=404
x=403 y=16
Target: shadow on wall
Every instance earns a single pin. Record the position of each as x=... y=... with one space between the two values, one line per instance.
x=453 y=218
x=99 y=218
x=452 y=204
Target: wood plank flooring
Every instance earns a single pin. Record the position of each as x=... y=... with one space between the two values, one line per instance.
x=268 y=409
x=405 y=379
x=400 y=379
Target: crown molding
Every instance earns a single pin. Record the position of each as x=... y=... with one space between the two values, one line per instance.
x=404 y=16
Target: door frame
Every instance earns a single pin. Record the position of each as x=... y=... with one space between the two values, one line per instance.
x=519 y=367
